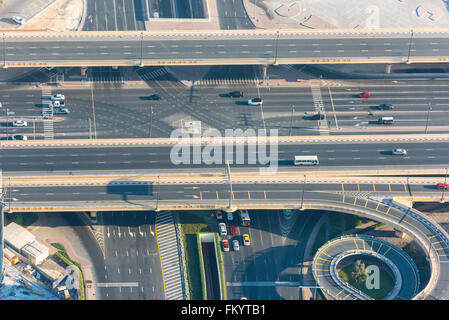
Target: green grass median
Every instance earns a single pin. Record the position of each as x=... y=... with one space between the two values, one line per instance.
x=65 y=259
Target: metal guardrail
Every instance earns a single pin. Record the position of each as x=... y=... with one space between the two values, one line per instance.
x=433 y=255
x=397 y=280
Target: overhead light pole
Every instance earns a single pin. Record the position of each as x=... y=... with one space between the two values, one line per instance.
x=276 y=53
x=291 y=120
x=228 y=172
x=303 y=190
x=151 y=120
x=444 y=188
x=428 y=115
x=409 y=47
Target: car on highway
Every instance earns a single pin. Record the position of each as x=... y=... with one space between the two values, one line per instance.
x=442 y=185
x=365 y=94
x=236 y=94
x=58 y=96
x=219 y=214
x=18 y=20
x=154 y=97
x=222 y=229
x=230 y=216
x=385 y=106
x=225 y=244
x=246 y=240
x=234 y=230
x=62 y=111
x=19 y=137
x=57 y=104
x=255 y=101
x=318 y=116
x=19 y=123
x=235 y=245
x=399 y=151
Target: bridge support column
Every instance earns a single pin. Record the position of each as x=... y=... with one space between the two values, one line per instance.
x=388 y=68
x=264 y=72
x=83 y=71
x=93 y=215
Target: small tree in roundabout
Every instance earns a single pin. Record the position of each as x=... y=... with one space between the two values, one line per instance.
x=359 y=274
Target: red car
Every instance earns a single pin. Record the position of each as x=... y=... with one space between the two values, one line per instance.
x=443 y=186
x=364 y=95
x=233 y=230
x=225 y=245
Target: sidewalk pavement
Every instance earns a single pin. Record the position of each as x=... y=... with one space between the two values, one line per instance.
x=26 y=9
x=48 y=230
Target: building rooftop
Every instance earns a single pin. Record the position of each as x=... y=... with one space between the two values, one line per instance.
x=17 y=236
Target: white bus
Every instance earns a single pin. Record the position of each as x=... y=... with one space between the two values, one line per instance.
x=306 y=161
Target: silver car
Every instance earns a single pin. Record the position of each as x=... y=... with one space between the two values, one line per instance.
x=399 y=151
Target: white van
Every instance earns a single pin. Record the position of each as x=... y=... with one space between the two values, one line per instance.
x=306 y=161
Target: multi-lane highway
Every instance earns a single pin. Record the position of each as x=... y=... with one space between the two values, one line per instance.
x=223 y=47
x=270 y=268
x=132 y=268
x=371 y=155
x=124 y=112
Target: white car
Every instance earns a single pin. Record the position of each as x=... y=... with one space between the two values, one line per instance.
x=399 y=151
x=18 y=20
x=19 y=123
x=235 y=245
x=255 y=101
x=58 y=97
x=230 y=216
x=222 y=229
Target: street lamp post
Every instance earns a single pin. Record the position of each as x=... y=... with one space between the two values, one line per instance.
x=428 y=114
x=228 y=171
x=4 y=52
x=409 y=47
x=7 y=122
x=151 y=120
x=303 y=190
x=291 y=120
x=157 y=194
x=90 y=128
x=444 y=189
x=141 y=49
x=276 y=53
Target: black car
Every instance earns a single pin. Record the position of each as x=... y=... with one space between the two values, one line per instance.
x=154 y=97
x=18 y=137
x=385 y=106
x=318 y=116
x=235 y=94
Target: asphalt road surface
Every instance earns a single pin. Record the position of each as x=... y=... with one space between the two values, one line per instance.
x=266 y=48
x=127 y=113
x=339 y=156
x=270 y=268
x=132 y=268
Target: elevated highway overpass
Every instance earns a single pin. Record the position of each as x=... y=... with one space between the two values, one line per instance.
x=212 y=47
x=181 y=194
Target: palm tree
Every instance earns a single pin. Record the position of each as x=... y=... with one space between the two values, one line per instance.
x=359 y=274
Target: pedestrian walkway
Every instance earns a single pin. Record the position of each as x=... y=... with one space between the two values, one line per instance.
x=167 y=240
x=319 y=107
x=47 y=114
x=229 y=82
